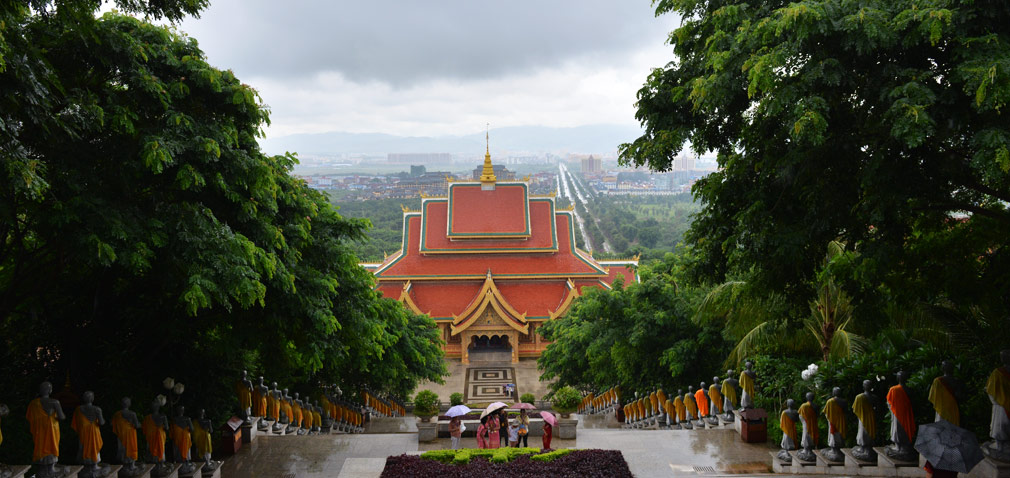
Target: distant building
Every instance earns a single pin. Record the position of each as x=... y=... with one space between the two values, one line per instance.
x=592 y=164
x=499 y=171
x=419 y=158
x=684 y=162
x=417 y=170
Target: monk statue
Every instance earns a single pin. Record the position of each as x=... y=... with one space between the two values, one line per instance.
x=44 y=415
x=747 y=380
x=834 y=410
x=865 y=408
x=787 y=422
x=998 y=390
x=181 y=432
x=701 y=401
x=244 y=389
x=155 y=428
x=277 y=409
x=691 y=406
x=945 y=394
x=678 y=405
x=125 y=424
x=715 y=395
x=259 y=402
x=730 y=395
x=4 y=411
x=86 y=422
x=301 y=412
x=288 y=417
x=902 y=422
x=203 y=442
x=809 y=439
x=317 y=417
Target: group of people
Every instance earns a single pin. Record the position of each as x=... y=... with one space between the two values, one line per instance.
x=496 y=429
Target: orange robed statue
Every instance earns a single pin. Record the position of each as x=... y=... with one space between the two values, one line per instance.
x=244 y=390
x=181 y=431
x=701 y=398
x=715 y=394
x=155 y=426
x=678 y=404
x=44 y=415
x=691 y=406
x=787 y=422
x=810 y=438
x=4 y=411
x=86 y=422
x=834 y=410
x=864 y=406
x=202 y=440
x=997 y=388
x=259 y=401
x=124 y=425
x=902 y=422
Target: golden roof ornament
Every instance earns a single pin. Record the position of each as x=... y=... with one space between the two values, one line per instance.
x=487 y=177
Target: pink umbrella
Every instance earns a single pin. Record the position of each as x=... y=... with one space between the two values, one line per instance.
x=522 y=406
x=549 y=418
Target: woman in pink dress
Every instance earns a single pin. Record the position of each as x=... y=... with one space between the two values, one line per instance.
x=481 y=433
x=492 y=430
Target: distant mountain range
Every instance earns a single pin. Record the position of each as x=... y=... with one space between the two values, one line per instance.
x=530 y=139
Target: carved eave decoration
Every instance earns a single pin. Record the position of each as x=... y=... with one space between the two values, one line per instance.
x=489 y=296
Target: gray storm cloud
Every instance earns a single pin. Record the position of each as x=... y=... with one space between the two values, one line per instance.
x=405 y=42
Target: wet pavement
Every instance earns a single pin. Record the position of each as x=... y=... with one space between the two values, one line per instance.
x=649 y=453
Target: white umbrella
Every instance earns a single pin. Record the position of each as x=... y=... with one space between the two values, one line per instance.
x=494 y=407
x=458 y=410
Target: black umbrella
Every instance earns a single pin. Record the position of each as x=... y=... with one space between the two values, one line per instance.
x=948 y=447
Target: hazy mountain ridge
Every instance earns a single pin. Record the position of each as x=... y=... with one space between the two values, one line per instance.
x=585 y=139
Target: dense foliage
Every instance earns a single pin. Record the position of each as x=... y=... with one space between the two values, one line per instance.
x=574 y=464
x=145 y=235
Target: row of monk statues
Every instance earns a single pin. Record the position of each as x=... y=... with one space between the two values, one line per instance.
x=706 y=406
x=45 y=414
x=945 y=392
x=278 y=411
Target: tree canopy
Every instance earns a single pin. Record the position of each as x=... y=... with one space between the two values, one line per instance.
x=145 y=235
x=879 y=124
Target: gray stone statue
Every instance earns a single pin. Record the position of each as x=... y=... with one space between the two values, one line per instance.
x=686 y=422
x=702 y=415
x=244 y=389
x=899 y=404
x=710 y=418
x=865 y=407
x=303 y=406
x=263 y=391
x=87 y=420
x=835 y=409
x=788 y=431
x=748 y=380
x=808 y=440
x=730 y=394
x=183 y=453
x=209 y=465
x=131 y=422
x=44 y=415
x=162 y=467
x=999 y=427
x=317 y=409
x=281 y=422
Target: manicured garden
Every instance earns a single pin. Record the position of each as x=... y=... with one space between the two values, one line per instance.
x=513 y=462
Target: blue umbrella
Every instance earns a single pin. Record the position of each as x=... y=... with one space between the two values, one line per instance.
x=458 y=410
x=948 y=447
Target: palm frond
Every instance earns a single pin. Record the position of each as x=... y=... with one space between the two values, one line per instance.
x=759 y=335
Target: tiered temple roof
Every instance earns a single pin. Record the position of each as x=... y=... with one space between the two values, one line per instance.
x=489 y=250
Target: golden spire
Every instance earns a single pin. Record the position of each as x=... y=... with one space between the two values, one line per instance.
x=487 y=175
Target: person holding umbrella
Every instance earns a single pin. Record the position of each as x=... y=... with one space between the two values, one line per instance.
x=948 y=449
x=549 y=422
x=482 y=432
x=455 y=424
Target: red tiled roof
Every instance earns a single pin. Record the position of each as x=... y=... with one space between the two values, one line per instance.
x=543 y=231
x=410 y=264
x=500 y=212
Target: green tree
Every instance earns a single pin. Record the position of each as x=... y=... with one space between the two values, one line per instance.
x=145 y=235
x=875 y=123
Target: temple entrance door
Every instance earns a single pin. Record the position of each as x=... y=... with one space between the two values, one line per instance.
x=490 y=348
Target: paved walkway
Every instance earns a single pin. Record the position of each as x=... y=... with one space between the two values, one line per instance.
x=527 y=378
x=649 y=453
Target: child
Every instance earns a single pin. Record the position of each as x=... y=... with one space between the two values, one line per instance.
x=547 y=436
x=455 y=432
x=481 y=433
x=513 y=434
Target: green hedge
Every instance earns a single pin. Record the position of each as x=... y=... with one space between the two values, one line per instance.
x=551 y=456
x=497 y=455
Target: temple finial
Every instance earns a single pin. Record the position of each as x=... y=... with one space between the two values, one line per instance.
x=487 y=177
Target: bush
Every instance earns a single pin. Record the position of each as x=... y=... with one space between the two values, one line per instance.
x=456 y=399
x=580 y=463
x=425 y=403
x=553 y=455
x=566 y=400
x=528 y=398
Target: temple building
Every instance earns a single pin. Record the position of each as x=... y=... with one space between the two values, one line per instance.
x=490 y=263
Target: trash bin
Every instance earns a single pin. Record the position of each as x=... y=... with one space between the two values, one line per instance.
x=754 y=425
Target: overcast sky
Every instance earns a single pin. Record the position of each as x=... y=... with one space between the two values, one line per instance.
x=437 y=67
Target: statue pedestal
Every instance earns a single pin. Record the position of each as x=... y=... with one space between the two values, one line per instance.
x=14 y=471
x=249 y=430
x=801 y=467
x=855 y=466
x=215 y=473
x=990 y=468
x=427 y=431
x=779 y=466
x=195 y=472
x=566 y=428
x=143 y=471
x=899 y=467
x=104 y=470
x=736 y=423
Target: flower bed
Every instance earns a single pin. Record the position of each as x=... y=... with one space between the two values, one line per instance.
x=476 y=415
x=522 y=462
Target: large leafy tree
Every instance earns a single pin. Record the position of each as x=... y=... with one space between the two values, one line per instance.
x=878 y=123
x=144 y=234
x=639 y=337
